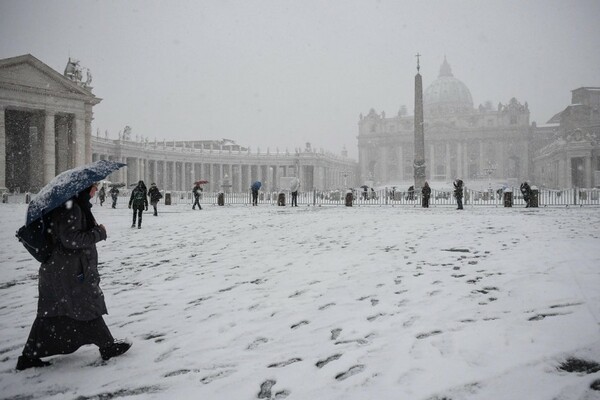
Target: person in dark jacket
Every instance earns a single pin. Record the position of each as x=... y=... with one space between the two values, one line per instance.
x=526 y=191
x=411 y=193
x=114 y=195
x=70 y=301
x=102 y=195
x=139 y=202
x=197 y=190
x=254 y=196
x=458 y=193
x=155 y=197
x=426 y=192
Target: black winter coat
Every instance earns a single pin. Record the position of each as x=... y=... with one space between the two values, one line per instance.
x=69 y=282
x=139 y=198
x=154 y=194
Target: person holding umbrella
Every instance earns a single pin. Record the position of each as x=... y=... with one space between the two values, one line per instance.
x=139 y=202
x=70 y=301
x=254 y=188
x=197 y=190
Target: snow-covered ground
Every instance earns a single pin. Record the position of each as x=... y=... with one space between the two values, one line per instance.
x=326 y=303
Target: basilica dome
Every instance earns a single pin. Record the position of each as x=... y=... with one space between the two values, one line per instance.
x=447 y=95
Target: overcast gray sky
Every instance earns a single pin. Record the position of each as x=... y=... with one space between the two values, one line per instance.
x=281 y=73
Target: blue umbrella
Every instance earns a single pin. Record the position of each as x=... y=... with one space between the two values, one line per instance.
x=256 y=185
x=66 y=185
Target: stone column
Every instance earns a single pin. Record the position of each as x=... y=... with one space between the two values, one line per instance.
x=588 y=174
x=249 y=174
x=482 y=164
x=432 y=161
x=459 y=162
x=174 y=175
x=448 y=165
x=164 y=175
x=79 y=140
x=49 y=147
x=465 y=160
x=400 y=163
x=419 y=143
x=2 y=150
x=88 y=133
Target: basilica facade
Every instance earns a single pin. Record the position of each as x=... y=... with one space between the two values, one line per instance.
x=461 y=141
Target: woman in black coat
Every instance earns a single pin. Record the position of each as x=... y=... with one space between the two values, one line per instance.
x=70 y=302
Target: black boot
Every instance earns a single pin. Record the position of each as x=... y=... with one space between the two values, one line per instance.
x=25 y=362
x=117 y=348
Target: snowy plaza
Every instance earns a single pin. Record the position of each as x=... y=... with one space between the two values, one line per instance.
x=241 y=302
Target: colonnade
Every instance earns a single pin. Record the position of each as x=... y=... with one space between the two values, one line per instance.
x=231 y=171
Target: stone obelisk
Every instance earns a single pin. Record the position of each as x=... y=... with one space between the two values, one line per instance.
x=419 y=161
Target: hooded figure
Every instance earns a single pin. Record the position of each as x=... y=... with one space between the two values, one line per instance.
x=70 y=301
x=426 y=192
x=458 y=193
x=139 y=202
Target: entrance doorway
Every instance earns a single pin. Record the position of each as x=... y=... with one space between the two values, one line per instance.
x=577 y=172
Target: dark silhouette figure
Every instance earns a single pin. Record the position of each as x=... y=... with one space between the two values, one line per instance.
x=139 y=202
x=197 y=190
x=155 y=197
x=102 y=195
x=426 y=192
x=114 y=195
x=254 y=197
x=70 y=301
x=458 y=193
x=295 y=198
x=526 y=191
x=411 y=193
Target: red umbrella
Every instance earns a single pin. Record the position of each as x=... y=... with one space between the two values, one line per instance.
x=200 y=182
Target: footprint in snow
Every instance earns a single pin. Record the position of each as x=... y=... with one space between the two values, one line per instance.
x=352 y=371
x=322 y=363
x=284 y=363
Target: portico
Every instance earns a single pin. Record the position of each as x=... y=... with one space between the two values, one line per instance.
x=45 y=123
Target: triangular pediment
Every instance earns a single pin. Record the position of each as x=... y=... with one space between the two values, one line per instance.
x=28 y=72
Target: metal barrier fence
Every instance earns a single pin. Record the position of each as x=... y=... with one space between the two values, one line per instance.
x=381 y=197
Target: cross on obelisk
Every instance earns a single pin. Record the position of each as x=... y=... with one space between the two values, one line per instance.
x=419 y=160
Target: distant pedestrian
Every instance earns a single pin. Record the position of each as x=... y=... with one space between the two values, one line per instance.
x=365 y=192
x=526 y=191
x=139 y=202
x=197 y=190
x=411 y=193
x=254 y=196
x=155 y=197
x=102 y=195
x=426 y=192
x=70 y=301
x=458 y=193
x=114 y=195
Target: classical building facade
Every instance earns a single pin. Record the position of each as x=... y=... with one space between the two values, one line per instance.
x=175 y=165
x=45 y=122
x=461 y=141
x=572 y=158
x=45 y=128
